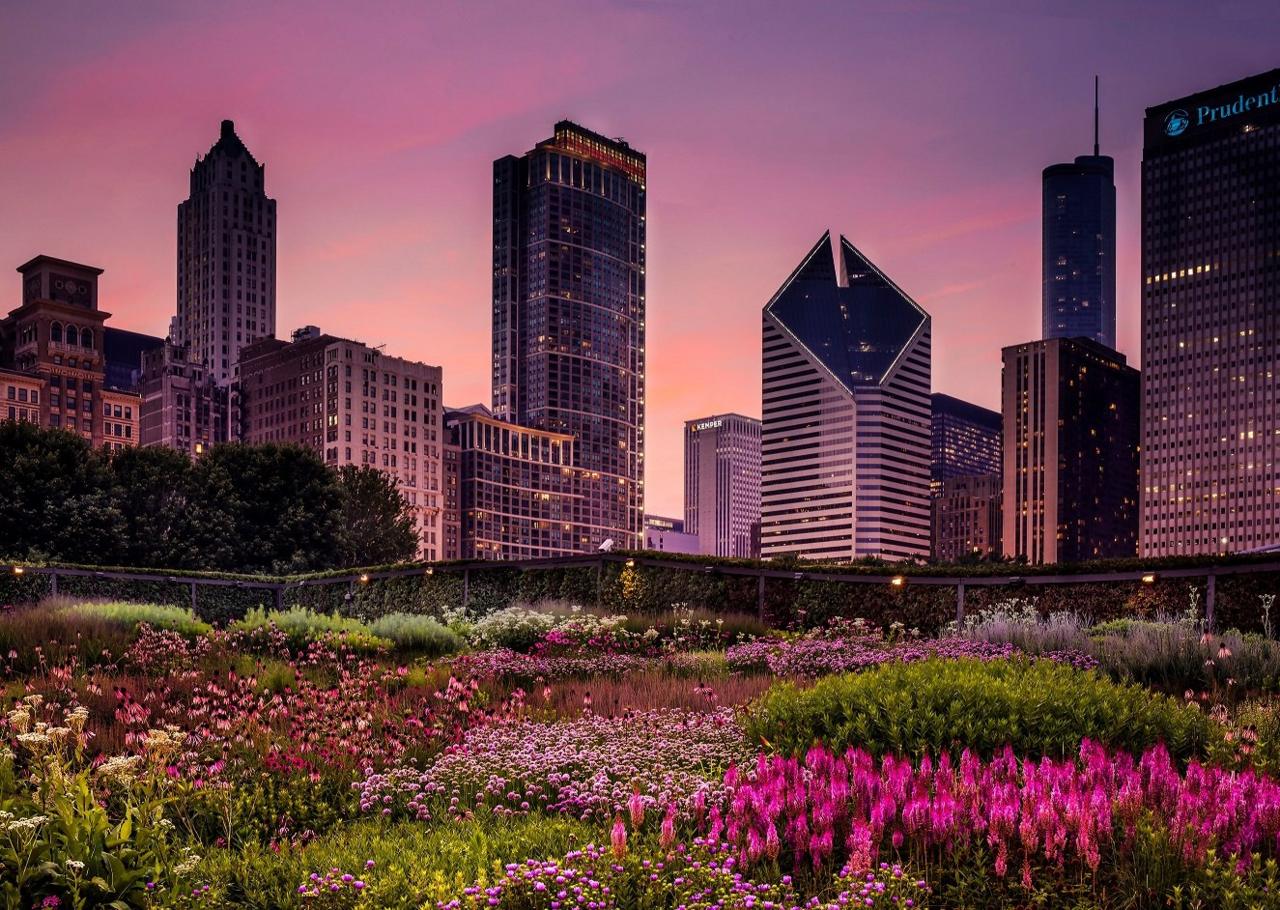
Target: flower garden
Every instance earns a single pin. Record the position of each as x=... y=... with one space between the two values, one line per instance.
x=547 y=756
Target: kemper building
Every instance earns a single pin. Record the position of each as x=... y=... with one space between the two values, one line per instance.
x=1211 y=321
x=845 y=435
x=722 y=484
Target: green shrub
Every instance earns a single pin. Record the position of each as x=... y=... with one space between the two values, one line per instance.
x=302 y=626
x=1037 y=706
x=420 y=634
x=131 y=615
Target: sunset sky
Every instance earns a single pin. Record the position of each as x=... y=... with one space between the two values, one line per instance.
x=917 y=129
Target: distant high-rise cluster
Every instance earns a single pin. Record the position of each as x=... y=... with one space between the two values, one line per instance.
x=853 y=457
x=845 y=437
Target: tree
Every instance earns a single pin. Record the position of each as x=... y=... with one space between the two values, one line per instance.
x=280 y=503
x=57 y=497
x=377 y=522
x=165 y=523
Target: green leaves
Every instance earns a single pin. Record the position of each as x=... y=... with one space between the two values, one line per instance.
x=1037 y=706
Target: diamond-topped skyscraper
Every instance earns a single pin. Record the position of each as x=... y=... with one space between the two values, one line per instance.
x=226 y=258
x=569 y=316
x=845 y=436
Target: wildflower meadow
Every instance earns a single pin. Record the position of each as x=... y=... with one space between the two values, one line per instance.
x=563 y=757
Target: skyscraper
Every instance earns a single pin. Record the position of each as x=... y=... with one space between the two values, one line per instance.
x=1211 y=320
x=1079 y=238
x=1070 y=452
x=569 y=315
x=226 y=257
x=845 y=438
x=722 y=484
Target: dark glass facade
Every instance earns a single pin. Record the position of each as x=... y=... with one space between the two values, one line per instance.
x=1079 y=237
x=1071 y=422
x=966 y=440
x=1211 y=321
x=569 y=316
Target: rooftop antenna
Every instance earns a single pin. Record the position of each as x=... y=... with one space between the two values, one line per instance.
x=1095 y=116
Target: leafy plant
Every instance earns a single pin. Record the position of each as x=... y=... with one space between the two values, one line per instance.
x=419 y=634
x=1038 y=707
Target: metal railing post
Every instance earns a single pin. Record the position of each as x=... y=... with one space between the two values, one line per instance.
x=960 y=604
x=193 y=597
x=760 y=595
x=1210 y=595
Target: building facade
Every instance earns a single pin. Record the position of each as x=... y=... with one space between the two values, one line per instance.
x=517 y=488
x=965 y=440
x=668 y=535
x=968 y=518
x=845 y=436
x=1079 y=250
x=353 y=405
x=722 y=484
x=569 y=316
x=56 y=337
x=226 y=257
x=1071 y=427
x=182 y=406
x=1211 y=321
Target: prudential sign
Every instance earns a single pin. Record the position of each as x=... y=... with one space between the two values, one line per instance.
x=1178 y=121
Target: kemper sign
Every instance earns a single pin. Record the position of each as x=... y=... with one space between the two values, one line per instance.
x=1177 y=122
x=706 y=425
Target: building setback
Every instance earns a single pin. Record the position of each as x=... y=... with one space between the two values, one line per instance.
x=182 y=406
x=1070 y=452
x=56 y=339
x=569 y=317
x=353 y=405
x=722 y=484
x=517 y=488
x=1211 y=321
x=845 y=436
x=226 y=257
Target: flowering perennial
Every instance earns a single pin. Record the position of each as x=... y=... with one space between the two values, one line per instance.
x=825 y=807
x=590 y=768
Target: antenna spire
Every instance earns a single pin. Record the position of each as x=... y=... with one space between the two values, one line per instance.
x=1095 y=116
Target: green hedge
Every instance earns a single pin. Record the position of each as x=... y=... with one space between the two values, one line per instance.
x=789 y=602
x=1037 y=706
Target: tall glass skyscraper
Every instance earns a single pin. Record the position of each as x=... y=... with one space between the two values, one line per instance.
x=226 y=257
x=845 y=436
x=1211 y=321
x=569 y=315
x=1079 y=237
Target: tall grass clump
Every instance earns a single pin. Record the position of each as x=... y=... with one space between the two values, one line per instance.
x=302 y=626
x=417 y=633
x=1038 y=707
x=131 y=615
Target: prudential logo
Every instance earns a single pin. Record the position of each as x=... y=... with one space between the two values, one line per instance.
x=1176 y=123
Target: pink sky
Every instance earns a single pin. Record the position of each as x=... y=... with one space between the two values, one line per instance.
x=918 y=129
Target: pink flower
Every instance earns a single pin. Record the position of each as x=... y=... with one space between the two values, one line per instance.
x=618 y=838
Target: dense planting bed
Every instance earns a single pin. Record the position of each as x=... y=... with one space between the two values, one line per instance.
x=557 y=758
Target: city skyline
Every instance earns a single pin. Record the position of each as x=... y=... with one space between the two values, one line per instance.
x=389 y=207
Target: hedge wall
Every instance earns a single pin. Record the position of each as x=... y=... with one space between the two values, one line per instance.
x=789 y=602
